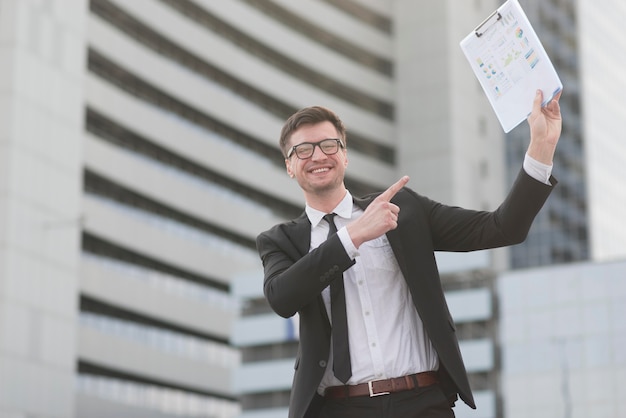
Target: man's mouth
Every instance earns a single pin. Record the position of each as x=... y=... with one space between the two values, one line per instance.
x=320 y=170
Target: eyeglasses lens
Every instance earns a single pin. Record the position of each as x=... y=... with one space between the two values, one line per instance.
x=328 y=147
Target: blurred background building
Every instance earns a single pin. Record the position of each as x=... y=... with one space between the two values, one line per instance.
x=560 y=232
x=139 y=160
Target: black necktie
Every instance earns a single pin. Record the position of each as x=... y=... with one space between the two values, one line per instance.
x=341 y=350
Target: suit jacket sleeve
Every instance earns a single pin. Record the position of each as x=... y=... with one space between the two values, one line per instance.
x=293 y=278
x=458 y=229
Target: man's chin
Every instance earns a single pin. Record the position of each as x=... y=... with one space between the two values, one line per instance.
x=323 y=187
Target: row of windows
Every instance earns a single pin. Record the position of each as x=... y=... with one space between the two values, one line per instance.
x=160 y=399
x=486 y=381
x=265 y=400
x=364 y=14
x=251 y=307
x=164 y=282
x=557 y=236
x=136 y=209
x=285 y=350
x=168 y=341
x=317 y=34
x=97 y=246
x=93 y=305
x=548 y=245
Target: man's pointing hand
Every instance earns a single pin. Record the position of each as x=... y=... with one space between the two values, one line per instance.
x=380 y=217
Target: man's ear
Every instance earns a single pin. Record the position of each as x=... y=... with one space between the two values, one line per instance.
x=288 y=165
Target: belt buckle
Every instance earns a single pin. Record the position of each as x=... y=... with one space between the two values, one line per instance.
x=371 y=389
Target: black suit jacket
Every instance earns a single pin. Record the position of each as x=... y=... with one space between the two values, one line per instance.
x=295 y=277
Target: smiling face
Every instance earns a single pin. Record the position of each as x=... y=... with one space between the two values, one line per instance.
x=321 y=176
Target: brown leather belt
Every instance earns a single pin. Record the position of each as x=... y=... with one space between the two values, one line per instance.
x=382 y=387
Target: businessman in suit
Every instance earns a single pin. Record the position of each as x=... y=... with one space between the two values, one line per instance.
x=376 y=336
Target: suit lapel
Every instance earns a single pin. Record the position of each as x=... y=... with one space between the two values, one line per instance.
x=298 y=234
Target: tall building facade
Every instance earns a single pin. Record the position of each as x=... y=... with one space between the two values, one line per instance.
x=41 y=105
x=562 y=340
x=601 y=54
x=139 y=162
x=581 y=220
x=560 y=233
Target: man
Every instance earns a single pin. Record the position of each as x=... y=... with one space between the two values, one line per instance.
x=400 y=340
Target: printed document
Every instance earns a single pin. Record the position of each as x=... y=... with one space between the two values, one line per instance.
x=510 y=63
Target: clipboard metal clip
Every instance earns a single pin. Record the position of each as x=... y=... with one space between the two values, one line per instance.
x=487 y=23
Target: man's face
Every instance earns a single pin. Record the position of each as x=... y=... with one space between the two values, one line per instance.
x=320 y=173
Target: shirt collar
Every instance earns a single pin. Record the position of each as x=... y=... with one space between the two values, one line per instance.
x=343 y=210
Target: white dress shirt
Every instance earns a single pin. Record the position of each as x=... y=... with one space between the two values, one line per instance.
x=386 y=335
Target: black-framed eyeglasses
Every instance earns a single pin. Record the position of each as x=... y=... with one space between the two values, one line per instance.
x=305 y=150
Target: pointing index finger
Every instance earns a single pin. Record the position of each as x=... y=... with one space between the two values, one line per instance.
x=388 y=194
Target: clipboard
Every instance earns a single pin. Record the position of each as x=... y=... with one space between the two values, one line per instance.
x=510 y=63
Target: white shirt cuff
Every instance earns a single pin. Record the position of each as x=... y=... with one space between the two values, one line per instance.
x=348 y=245
x=539 y=171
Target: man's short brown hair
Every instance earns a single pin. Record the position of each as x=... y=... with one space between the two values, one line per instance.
x=310 y=116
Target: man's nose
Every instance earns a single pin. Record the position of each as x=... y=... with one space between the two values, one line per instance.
x=318 y=153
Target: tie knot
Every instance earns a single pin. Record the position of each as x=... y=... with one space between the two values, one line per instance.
x=330 y=218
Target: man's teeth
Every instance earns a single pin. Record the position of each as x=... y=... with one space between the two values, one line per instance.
x=319 y=170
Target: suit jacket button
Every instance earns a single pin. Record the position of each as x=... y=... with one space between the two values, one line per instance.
x=335 y=268
x=322 y=363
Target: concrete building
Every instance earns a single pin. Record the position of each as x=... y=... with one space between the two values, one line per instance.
x=562 y=340
x=582 y=220
x=560 y=233
x=139 y=160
